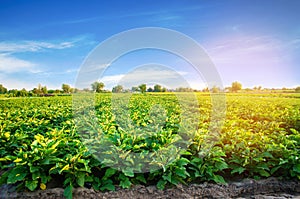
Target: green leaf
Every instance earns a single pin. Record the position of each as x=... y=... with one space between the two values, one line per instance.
x=161 y=184
x=16 y=174
x=182 y=162
x=109 y=172
x=168 y=177
x=33 y=169
x=80 y=179
x=218 y=179
x=263 y=173
x=238 y=170
x=3 y=177
x=68 y=192
x=267 y=155
x=141 y=178
x=128 y=172
x=125 y=183
x=221 y=165
x=181 y=172
x=31 y=185
x=274 y=169
x=108 y=186
x=296 y=168
x=36 y=175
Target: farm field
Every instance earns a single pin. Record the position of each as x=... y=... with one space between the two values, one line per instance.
x=42 y=145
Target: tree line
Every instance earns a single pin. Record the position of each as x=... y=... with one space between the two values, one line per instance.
x=98 y=87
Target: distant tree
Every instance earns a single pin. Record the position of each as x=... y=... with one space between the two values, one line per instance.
x=97 y=87
x=72 y=90
x=236 y=86
x=134 y=89
x=215 y=89
x=76 y=90
x=228 y=89
x=205 y=89
x=182 y=89
x=22 y=93
x=2 y=89
x=13 y=93
x=44 y=90
x=86 y=90
x=163 y=89
x=150 y=89
x=297 y=90
x=66 y=88
x=143 y=88
x=35 y=91
x=157 y=88
x=117 y=89
x=38 y=90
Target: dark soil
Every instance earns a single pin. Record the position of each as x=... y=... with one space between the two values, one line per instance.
x=256 y=189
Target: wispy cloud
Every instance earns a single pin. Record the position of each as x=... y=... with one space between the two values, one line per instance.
x=251 y=59
x=246 y=50
x=162 y=15
x=32 y=46
x=10 y=64
x=10 y=61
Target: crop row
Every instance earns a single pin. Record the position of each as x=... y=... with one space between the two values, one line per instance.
x=160 y=139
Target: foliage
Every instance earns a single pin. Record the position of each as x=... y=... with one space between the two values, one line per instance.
x=142 y=88
x=97 y=87
x=236 y=86
x=40 y=142
x=117 y=89
x=2 y=89
x=66 y=88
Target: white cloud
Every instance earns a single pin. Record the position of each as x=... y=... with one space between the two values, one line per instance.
x=246 y=51
x=150 y=74
x=32 y=46
x=10 y=64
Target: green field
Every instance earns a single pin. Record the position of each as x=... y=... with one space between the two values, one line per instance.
x=41 y=141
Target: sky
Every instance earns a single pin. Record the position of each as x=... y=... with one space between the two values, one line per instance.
x=254 y=42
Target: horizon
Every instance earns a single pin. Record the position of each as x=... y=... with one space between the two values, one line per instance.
x=255 y=43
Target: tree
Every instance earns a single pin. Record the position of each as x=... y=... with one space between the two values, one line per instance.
x=297 y=90
x=150 y=89
x=97 y=87
x=13 y=93
x=22 y=93
x=215 y=89
x=38 y=90
x=87 y=90
x=66 y=88
x=205 y=89
x=236 y=86
x=117 y=89
x=2 y=89
x=44 y=90
x=157 y=88
x=134 y=89
x=143 y=88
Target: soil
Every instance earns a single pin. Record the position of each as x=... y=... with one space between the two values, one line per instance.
x=270 y=188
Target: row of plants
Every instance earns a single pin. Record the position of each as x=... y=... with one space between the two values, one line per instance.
x=152 y=139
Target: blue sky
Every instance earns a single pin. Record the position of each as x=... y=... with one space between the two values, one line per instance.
x=253 y=42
